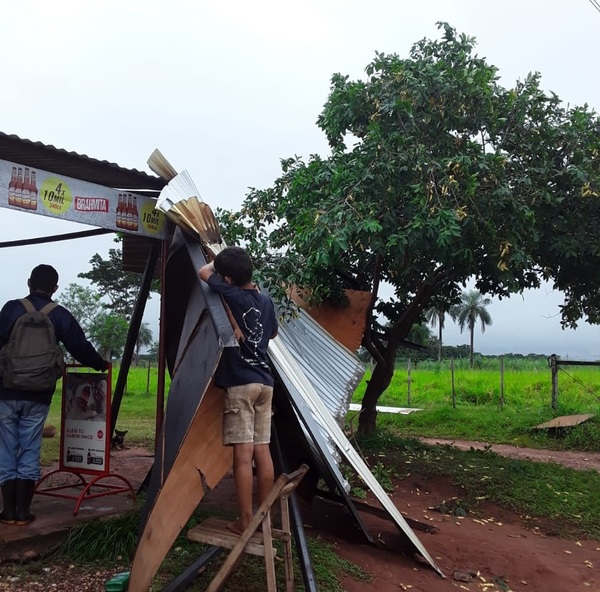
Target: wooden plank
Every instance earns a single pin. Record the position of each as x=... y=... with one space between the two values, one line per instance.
x=214 y=531
x=202 y=462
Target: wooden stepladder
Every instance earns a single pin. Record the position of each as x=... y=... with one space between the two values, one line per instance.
x=214 y=532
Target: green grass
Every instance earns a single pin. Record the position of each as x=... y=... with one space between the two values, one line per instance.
x=476 y=412
x=566 y=497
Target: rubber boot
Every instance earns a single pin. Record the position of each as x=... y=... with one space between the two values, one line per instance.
x=9 y=493
x=25 y=489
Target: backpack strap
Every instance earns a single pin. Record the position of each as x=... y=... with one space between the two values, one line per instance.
x=27 y=304
x=30 y=308
x=49 y=307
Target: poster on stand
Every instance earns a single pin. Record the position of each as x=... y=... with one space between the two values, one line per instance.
x=85 y=422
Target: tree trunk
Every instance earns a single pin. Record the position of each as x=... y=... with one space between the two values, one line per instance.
x=440 y=343
x=380 y=380
x=471 y=352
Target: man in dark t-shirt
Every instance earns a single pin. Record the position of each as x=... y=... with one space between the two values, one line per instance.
x=245 y=375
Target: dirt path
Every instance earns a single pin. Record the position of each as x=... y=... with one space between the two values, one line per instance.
x=575 y=460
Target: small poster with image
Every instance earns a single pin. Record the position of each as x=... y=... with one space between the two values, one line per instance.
x=85 y=422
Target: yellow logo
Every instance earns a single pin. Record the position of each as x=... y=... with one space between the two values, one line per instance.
x=152 y=220
x=55 y=195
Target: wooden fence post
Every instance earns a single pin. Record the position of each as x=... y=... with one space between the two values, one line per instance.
x=554 y=369
x=453 y=391
x=501 y=381
x=409 y=379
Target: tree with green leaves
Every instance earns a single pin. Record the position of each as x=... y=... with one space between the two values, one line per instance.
x=471 y=309
x=120 y=287
x=108 y=332
x=83 y=302
x=436 y=315
x=144 y=339
x=437 y=175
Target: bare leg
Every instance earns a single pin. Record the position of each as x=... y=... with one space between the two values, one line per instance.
x=265 y=478
x=242 y=475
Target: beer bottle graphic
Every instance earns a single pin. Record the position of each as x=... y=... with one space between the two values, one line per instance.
x=33 y=192
x=26 y=191
x=19 y=188
x=12 y=187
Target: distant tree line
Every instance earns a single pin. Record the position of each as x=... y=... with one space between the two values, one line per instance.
x=104 y=308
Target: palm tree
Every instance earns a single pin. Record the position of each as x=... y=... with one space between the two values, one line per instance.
x=472 y=308
x=436 y=315
x=144 y=339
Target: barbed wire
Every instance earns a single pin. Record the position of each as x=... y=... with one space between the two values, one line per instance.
x=586 y=388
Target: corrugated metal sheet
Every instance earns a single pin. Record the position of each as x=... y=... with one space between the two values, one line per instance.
x=327 y=364
x=78 y=166
x=292 y=374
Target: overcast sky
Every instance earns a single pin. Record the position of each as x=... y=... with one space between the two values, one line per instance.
x=225 y=89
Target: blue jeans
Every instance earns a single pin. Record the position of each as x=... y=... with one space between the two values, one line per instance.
x=21 y=425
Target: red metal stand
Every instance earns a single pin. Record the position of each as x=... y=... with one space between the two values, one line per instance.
x=86 y=493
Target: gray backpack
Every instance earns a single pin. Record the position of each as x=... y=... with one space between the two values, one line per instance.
x=32 y=359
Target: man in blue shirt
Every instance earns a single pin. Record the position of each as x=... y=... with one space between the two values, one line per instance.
x=23 y=413
x=245 y=374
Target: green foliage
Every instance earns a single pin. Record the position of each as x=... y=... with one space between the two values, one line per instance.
x=144 y=339
x=437 y=175
x=114 y=539
x=108 y=332
x=83 y=303
x=120 y=287
x=472 y=308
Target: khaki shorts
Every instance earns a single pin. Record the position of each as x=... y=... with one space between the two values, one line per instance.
x=247 y=414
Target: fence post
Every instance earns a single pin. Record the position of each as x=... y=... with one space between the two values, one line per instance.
x=409 y=379
x=453 y=391
x=554 y=369
x=148 y=377
x=501 y=381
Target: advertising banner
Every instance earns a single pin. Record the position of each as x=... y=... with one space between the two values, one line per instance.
x=85 y=445
x=40 y=192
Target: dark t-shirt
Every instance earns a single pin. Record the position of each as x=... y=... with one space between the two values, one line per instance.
x=255 y=315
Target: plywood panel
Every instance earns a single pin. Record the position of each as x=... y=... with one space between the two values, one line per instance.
x=345 y=323
x=201 y=463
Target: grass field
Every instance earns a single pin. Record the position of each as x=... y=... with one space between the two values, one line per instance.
x=478 y=412
x=475 y=414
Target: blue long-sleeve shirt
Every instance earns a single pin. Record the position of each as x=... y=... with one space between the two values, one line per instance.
x=68 y=332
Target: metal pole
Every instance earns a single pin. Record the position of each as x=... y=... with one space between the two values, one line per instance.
x=162 y=349
x=308 y=574
x=132 y=334
x=453 y=391
x=554 y=369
